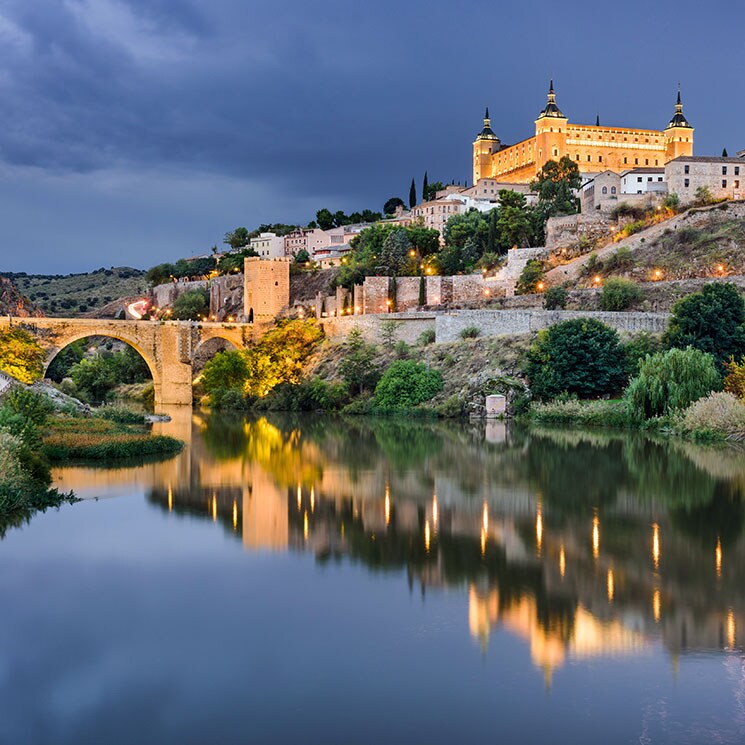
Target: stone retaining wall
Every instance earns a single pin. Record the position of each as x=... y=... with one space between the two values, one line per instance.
x=411 y=326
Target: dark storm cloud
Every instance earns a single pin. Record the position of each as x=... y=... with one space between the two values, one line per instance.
x=334 y=102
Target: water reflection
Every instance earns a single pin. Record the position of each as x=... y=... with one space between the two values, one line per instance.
x=555 y=537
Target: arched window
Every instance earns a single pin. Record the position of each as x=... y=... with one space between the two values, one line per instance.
x=613 y=190
x=605 y=190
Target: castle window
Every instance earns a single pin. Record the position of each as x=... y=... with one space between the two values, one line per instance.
x=686 y=183
x=656 y=162
x=605 y=190
x=556 y=152
x=636 y=161
x=639 y=179
x=737 y=170
x=646 y=161
x=613 y=190
x=600 y=158
x=724 y=183
x=686 y=169
x=724 y=170
x=577 y=156
x=737 y=184
x=625 y=160
x=589 y=158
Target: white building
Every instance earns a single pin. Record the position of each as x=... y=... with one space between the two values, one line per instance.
x=643 y=181
x=268 y=246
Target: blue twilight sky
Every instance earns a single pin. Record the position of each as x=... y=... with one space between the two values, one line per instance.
x=138 y=131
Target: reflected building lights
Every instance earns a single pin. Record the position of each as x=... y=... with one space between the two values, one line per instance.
x=299 y=498
x=427 y=536
x=387 y=508
x=483 y=542
x=539 y=531
x=718 y=558
x=485 y=518
x=235 y=515
x=611 y=586
x=656 y=606
x=595 y=537
x=312 y=499
x=656 y=545
x=435 y=510
x=170 y=498
x=305 y=525
x=562 y=562
x=214 y=508
x=731 y=629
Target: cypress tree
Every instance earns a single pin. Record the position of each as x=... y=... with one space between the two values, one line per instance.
x=491 y=238
x=422 y=291
x=412 y=195
x=425 y=188
x=724 y=153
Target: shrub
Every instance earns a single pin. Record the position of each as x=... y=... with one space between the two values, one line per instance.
x=555 y=298
x=358 y=369
x=21 y=355
x=389 y=332
x=470 y=332
x=530 y=276
x=621 y=261
x=402 y=350
x=227 y=370
x=451 y=408
x=33 y=407
x=405 y=385
x=582 y=356
x=120 y=415
x=712 y=320
x=735 y=381
x=586 y=413
x=670 y=381
x=719 y=414
x=427 y=337
x=191 y=305
x=620 y=294
x=638 y=348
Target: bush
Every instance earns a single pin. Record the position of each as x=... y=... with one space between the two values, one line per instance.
x=718 y=414
x=21 y=355
x=451 y=408
x=470 y=332
x=712 y=320
x=582 y=357
x=33 y=407
x=530 y=276
x=427 y=337
x=735 y=381
x=620 y=294
x=555 y=298
x=585 y=413
x=191 y=306
x=226 y=371
x=120 y=415
x=405 y=385
x=621 y=261
x=358 y=369
x=638 y=348
x=670 y=381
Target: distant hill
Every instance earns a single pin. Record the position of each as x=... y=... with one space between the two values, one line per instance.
x=73 y=295
x=13 y=303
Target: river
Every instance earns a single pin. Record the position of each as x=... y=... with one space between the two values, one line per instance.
x=313 y=580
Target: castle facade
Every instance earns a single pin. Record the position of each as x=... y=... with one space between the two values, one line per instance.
x=594 y=148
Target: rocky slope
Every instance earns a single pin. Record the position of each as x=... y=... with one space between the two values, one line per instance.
x=13 y=303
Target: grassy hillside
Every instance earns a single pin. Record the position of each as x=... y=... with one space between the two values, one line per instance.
x=75 y=294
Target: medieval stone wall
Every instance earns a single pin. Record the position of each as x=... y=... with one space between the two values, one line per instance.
x=163 y=296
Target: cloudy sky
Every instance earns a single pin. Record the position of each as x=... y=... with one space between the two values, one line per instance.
x=138 y=131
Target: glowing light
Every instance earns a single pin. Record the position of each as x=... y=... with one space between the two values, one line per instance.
x=387 y=506
x=611 y=586
x=562 y=562
x=312 y=499
x=720 y=268
x=214 y=508
x=539 y=530
x=487 y=292
x=540 y=286
x=235 y=514
x=731 y=630
x=485 y=518
x=656 y=545
x=170 y=498
x=435 y=510
x=718 y=558
x=299 y=498
x=483 y=542
x=657 y=274
x=427 y=536
x=595 y=537
x=305 y=525
x=597 y=279
x=656 y=606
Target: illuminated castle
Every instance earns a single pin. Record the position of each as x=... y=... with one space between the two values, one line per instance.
x=593 y=148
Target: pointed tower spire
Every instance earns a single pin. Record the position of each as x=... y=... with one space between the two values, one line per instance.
x=678 y=119
x=597 y=120
x=551 y=108
x=487 y=133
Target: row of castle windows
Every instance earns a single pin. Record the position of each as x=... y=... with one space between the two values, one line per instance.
x=612 y=190
x=625 y=159
x=600 y=137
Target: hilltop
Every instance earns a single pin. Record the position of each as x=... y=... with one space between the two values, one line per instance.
x=72 y=295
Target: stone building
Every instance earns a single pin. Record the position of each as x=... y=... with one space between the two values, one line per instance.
x=305 y=239
x=724 y=177
x=266 y=288
x=268 y=245
x=593 y=147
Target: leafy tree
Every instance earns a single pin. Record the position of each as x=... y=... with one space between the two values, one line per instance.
x=425 y=187
x=63 y=362
x=191 y=305
x=555 y=298
x=529 y=278
x=302 y=257
x=237 y=238
x=555 y=185
x=712 y=320
x=94 y=378
x=471 y=226
x=394 y=254
x=432 y=190
x=735 y=381
x=325 y=219
x=388 y=332
x=159 y=274
x=412 y=194
x=389 y=208
x=425 y=241
x=514 y=226
x=670 y=381
x=581 y=357
x=358 y=368
x=21 y=355
x=227 y=370
x=233 y=261
x=491 y=236
x=405 y=385
x=620 y=294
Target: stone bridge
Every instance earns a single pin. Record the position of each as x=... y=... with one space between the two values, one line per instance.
x=168 y=347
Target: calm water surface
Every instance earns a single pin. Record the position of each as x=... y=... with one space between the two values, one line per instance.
x=317 y=581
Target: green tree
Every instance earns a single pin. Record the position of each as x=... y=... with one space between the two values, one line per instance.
x=94 y=378
x=325 y=219
x=581 y=357
x=63 y=362
x=555 y=185
x=425 y=187
x=671 y=381
x=412 y=194
x=473 y=226
x=237 y=238
x=394 y=254
x=191 y=305
x=422 y=291
x=513 y=226
x=712 y=320
x=620 y=294
x=21 y=355
x=302 y=257
x=359 y=368
x=227 y=370
x=491 y=246
x=159 y=274
x=405 y=385
x=234 y=261
x=529 y=278
x=392 y=204
x=432 y=190
x=555 y=298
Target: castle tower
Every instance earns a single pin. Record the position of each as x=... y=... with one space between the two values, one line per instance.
x=550 y=132
x=678 y=134
x=484 y=146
